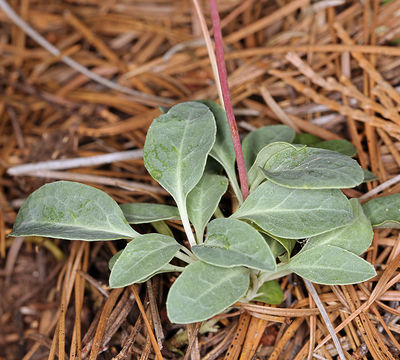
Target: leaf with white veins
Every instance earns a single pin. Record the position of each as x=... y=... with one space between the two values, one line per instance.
x=176 y=150
x=177 y=146
x=384 y=212
x=231 y=243
x=295 y=213
x=72 y=211
x=204 y=290
x=141 y=258
x=312 y=168
x=331 y=265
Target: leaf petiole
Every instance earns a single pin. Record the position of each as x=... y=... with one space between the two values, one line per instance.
x=185 y=222
x=187 y=259
x=188 y=252
x=281 y=270
x=258 y=278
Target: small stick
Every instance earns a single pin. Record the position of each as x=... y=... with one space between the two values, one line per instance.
x=17 y=127
x=75 y=162
x=103 y=180
x=380 y=188
x=94 y=282
x=325 y=317
x=277 y=109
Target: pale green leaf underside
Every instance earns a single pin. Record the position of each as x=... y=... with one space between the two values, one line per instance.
x=141 y=213
x=177 y=146
x=223 y=150
x=142 y=257
x=384 y=212
x=255 y=174
x=257 y=139
x=231 y=243
x=72 y=211
x=203 y=200
x=204 y=290
x=356 y=236
x=312 y=168
x=295 y=213
x=331 y=265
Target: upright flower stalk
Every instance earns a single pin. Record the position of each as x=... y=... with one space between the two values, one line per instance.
x=226 y=98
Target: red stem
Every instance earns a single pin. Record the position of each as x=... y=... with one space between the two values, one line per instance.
x=223 y=78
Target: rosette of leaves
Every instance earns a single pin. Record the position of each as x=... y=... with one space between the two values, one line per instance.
x=295 y=199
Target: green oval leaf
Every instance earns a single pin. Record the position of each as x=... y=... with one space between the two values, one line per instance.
x=356 y=236
x=331 y=265
x=204 y=290
x=384 y=212
x=339 y=145
x=72 y=211
x=231 y=243
x=306 y=139
x=223 y=150
x=257 y=139
x=203 y=200
x=312 y=168
x=177 y=146
x=369 y=176
x=295 y=213
x=141 y=213
x=142 y=257
x=166 y=268
x=270 y=293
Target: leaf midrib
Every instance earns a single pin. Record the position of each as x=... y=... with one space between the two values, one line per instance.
x=274 y=210
x=47 y=224
x=245 y=256
x=180 y=162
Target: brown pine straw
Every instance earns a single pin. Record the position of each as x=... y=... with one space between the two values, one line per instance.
x=236 y=345
x=109 y=304
x=253 y=336
x=147 y=324
x=342 y=109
